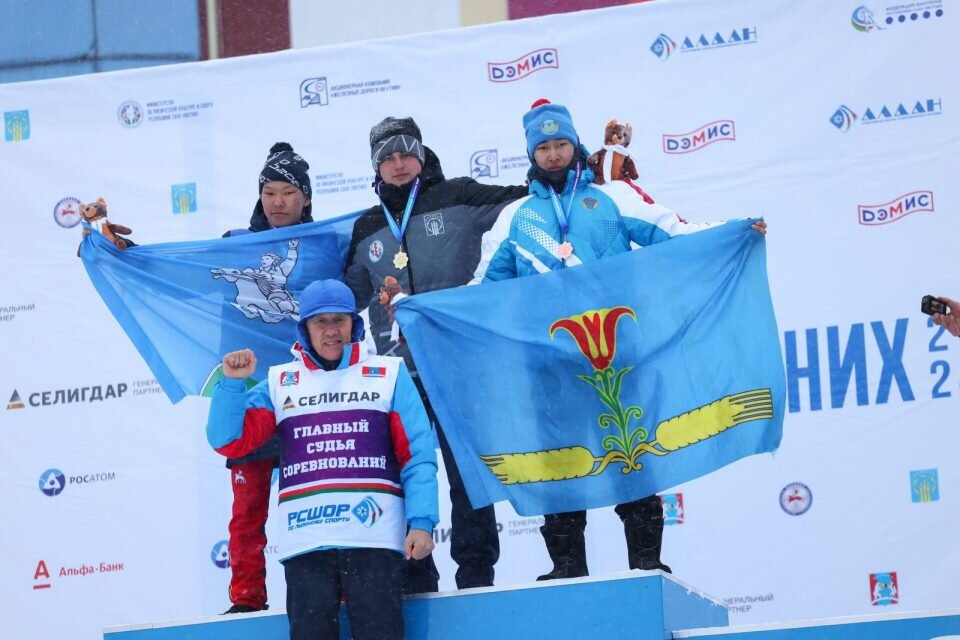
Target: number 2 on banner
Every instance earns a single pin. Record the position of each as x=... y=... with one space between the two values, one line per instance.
x=939 y=366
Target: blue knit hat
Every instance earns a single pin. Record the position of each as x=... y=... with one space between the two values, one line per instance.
x=547 y=121
x=327 y=296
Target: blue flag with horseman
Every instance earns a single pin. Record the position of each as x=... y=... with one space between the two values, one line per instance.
x=185 y=304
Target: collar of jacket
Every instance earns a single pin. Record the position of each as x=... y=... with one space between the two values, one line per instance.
x=539 y=186
x=541 y=190
x=259 y=222
x=352 y=354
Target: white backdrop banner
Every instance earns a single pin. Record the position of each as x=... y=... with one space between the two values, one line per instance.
x=832 y=119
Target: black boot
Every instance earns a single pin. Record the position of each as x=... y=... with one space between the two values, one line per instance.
x=643 y=529
x=563 y=535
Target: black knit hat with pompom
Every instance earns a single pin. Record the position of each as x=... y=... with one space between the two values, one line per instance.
x=284 y=165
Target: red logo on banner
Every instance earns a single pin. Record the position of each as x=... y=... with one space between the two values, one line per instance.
x=672 y=508
x=874 y=214
x=523 y=66
x=41 y=572
x=884 y=589
x=699 y=138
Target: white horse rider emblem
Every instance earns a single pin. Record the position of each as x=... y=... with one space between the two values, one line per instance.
x=262 y=292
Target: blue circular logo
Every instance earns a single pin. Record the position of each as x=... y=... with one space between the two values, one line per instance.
x=549 y=127
x=220 y=555
x=52 y=482
x=130 y=114
x=67 y=213
x=796 y=499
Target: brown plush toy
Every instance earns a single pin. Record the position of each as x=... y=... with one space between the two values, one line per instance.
x=390 y=292
x=95 y=214
x=620 y=165
x=391 y=287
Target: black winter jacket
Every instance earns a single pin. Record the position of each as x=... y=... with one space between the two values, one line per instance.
x=442 y=241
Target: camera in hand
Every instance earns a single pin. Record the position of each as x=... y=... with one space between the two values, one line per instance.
x=931 y=305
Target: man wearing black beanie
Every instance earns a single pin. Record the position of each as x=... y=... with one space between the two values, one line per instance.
x=284 y=191
x=426 y=232
x=284 y=200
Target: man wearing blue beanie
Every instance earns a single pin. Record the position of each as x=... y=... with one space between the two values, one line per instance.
x=564 y=222
x=356 y=451
x=547 y=121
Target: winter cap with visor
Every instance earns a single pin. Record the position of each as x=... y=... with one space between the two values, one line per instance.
x=327 y=296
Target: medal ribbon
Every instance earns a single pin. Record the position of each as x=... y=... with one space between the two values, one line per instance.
x=411 y=199
x=563 y=217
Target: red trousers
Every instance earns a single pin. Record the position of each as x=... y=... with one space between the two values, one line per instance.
x=248 y=537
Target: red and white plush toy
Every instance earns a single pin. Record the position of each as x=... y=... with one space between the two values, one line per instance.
x=613 y=161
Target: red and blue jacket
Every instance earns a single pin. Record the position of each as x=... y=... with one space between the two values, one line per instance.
x=357 y=455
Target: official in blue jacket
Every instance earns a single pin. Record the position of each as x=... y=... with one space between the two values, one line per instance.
x=358 y=471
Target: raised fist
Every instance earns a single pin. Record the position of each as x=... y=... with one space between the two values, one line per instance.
x=239 y=364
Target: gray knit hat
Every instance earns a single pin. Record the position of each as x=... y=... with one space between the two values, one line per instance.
x=395 y=134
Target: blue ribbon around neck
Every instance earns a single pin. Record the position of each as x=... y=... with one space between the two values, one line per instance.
x=411 y=199
x=563 y=217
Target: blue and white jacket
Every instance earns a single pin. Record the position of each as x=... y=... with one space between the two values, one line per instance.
x=603 y=221
x=357 y=458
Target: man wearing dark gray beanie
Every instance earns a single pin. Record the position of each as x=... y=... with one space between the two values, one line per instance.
x=426 y=232
x=392 y=135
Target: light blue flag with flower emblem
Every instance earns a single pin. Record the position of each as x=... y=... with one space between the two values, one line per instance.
x=185 y=304
x=607 y=382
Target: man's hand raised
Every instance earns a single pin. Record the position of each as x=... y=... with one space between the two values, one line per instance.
x=239 y=364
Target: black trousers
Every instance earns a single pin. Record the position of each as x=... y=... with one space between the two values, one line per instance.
x=369 y=581
x=474 y=538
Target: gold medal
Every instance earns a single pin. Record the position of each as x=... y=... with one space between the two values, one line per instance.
x=401 y=259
